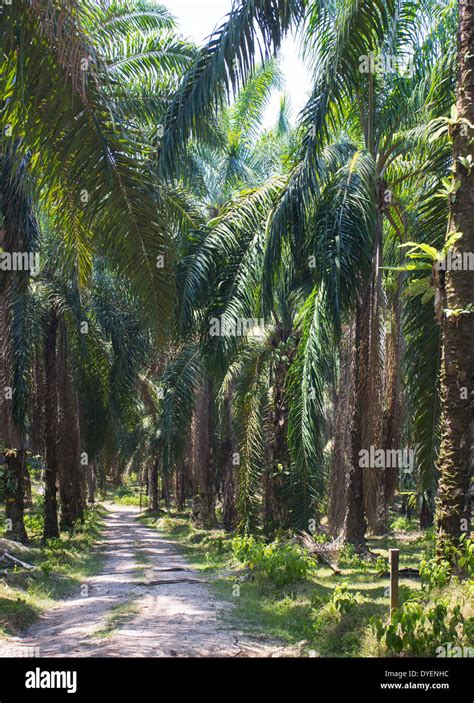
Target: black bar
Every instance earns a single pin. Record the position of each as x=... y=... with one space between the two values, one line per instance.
x=113 y=680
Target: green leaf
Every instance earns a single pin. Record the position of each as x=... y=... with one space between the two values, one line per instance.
x=428 y=295
x=417 y=287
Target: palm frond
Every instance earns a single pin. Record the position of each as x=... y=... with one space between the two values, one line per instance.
x=223 y=64
x=307 y=381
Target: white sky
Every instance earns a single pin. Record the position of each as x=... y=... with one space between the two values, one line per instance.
x=198 y=18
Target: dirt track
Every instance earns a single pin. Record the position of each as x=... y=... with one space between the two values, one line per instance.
x=180 y=619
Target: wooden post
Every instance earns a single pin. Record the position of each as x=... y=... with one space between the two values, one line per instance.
x=394 y=555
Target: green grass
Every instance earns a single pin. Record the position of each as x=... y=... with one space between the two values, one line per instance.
x=117 y=616
x=205 y=550
x=129 y=494
x=62 y=564
x=142 y=559
x=301 y=614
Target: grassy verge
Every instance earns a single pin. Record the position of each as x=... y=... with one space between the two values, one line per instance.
x=62 y=564
x=325 y=614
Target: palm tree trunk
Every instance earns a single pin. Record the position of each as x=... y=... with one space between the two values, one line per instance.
x=153 y=485
x=51 y=528
x=116 y=471
x=203 y=456
x=12 y=441
x=69 y=444
x=188 y=470
x=229 y=508
x=371 y=391
x=342 y=455
x=275 y=511
x=426 y=512
x=38 y=392
x=165 y=489
x=457 y=366
x=179 y=485
x=393 y=415
x=364 y=490
x=354 y=519
x=184 y=474
x=91 y=482
x=80 y=484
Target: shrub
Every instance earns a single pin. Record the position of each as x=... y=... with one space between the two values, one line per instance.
x=125 y=495
x=435 y=573
x=34 y=523
x=245 y=548
x=402 y=524
x=342 y=600
x=280 y=563
x=463 y=555
x=348 y=557
x=408 y=593
x=318 y=601
x=419 y=629
x=381 y=566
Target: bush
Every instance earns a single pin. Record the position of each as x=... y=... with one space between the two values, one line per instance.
x=408 y=593
x=245 y=548
x=34 y=524
x=420 y=630
x=281 y=563
x=382 y=566
x=402 y=524
x=125 y=495
x=435 y=573
x=463 y=555
x=342 y=600
x=348 y=557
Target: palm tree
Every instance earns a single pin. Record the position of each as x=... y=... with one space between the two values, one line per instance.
x=369 y=109
x=457 y=368
x=239 y=156
x=19 y=232
x=90 y=165
x=252 y=28
x=210 y=262
x=377 y=158
x=84 y=159
x=95 y=346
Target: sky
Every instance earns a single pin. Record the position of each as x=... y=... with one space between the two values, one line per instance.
x=198 y=18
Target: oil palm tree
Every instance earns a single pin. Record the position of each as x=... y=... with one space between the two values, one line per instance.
x=85 y=354
x=79 y=146
x=385 y=140
x=457 y=369
x=379 y=141
x=213 y=258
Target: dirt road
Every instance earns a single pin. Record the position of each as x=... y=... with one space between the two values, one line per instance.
x=118 y=612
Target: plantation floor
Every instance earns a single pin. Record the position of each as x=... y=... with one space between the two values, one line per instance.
x=304 y=616
x=122 y=611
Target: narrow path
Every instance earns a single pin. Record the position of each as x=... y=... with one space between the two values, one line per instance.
x=116 y=615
